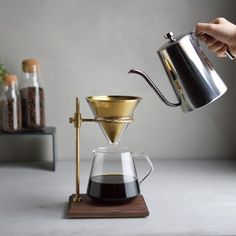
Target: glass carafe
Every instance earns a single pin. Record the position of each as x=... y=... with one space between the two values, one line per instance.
x=113 y=176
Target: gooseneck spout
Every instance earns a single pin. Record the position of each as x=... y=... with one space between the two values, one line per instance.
x=154 y=87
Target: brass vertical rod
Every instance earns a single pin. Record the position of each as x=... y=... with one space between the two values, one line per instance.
x=77 y=122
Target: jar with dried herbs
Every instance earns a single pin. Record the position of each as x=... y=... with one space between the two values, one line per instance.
x=32 y=96
x=10 y=105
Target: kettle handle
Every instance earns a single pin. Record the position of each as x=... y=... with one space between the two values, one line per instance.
x=154 y=87
x=143 y=154
x=227 y=52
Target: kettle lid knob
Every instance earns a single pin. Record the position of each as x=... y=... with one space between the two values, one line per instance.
x=170 y=36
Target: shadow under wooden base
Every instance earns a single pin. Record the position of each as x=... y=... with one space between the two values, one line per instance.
x=87 y=208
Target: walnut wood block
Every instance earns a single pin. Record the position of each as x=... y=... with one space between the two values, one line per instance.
x=91 y=209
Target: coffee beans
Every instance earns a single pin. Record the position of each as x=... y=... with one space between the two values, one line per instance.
x=32 y=105
x=11 y=115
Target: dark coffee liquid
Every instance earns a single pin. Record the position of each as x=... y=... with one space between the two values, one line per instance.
x=113 y=188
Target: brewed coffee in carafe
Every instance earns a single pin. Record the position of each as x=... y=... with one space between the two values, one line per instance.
x=113 y=176
x=113 y=187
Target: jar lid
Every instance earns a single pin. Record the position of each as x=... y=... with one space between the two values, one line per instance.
x=30 y=65
x=8 y=79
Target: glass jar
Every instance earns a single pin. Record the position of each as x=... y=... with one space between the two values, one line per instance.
x=32 y=96
x=10 y=105
x=3 y=71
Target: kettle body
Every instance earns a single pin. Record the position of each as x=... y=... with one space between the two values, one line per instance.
x=191 y=74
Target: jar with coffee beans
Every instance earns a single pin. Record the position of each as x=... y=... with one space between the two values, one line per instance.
x=10 y=105
x=32 y=96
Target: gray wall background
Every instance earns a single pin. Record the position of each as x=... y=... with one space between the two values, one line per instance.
x=87 y=48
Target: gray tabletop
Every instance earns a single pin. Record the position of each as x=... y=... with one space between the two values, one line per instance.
x=183 y=197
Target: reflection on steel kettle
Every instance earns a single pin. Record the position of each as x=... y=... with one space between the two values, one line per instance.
x=191 y=74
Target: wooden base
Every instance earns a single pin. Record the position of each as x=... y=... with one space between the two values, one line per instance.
x=88 y=208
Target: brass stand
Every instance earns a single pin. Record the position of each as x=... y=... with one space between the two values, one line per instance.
x=77 y=124
x=77 y=120
x=80 y=206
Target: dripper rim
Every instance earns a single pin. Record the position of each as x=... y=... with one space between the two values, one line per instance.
x=114 y=98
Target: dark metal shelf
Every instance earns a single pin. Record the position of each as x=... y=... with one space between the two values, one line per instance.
x=51 y=131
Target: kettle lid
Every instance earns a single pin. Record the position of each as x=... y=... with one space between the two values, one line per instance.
x=173 y=40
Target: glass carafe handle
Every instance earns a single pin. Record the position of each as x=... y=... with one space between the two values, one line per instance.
x=143 y=154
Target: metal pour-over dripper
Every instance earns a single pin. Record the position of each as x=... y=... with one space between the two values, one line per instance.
x=114 y=113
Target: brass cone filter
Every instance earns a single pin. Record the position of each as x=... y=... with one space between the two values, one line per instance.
x=114 y=109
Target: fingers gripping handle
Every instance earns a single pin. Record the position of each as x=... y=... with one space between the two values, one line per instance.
x=227 y=52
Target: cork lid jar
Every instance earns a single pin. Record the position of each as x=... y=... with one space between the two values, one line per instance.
x=10 y=105
x=32 y=96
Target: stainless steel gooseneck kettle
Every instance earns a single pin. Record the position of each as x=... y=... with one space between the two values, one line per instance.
x=191 y=74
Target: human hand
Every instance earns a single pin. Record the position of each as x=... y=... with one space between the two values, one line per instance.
x=219 y=35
